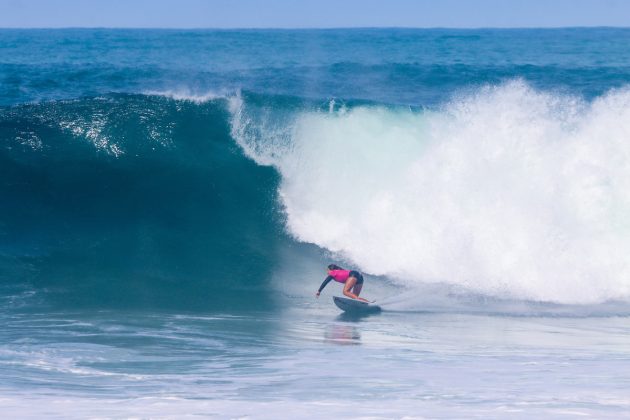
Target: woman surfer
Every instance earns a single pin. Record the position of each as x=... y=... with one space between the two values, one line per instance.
x=353 y=281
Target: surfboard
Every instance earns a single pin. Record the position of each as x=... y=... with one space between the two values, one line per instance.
x=355 y=306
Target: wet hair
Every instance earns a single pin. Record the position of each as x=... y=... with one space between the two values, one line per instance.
x=334 y=267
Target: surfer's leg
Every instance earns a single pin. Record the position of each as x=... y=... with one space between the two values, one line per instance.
x=358 y=285
x=347 y=287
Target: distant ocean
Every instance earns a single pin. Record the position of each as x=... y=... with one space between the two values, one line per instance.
x=169 y=201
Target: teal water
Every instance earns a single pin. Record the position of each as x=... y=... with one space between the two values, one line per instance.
x=169 y=200
x=404 y=66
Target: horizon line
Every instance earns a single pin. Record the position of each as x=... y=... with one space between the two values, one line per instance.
x=288 y=28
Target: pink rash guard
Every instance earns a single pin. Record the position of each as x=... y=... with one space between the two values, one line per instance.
x=340 y=275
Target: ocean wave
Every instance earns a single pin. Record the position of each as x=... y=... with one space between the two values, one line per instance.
x=506 y=192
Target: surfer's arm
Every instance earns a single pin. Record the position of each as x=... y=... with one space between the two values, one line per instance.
x=324 y=284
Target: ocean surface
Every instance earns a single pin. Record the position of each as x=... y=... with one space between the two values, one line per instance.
x=169 y=201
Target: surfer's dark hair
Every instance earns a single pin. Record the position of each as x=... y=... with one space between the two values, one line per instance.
x=334 y=267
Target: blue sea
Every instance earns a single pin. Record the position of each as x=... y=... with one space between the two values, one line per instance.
x=169 y=201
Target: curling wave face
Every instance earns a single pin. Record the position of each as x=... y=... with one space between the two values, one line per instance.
x=132 y=201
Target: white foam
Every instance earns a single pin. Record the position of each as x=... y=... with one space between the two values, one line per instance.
x=509 y=191
x=92 y=130
x=187 y=94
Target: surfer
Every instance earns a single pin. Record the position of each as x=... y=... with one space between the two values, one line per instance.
x=353 y=281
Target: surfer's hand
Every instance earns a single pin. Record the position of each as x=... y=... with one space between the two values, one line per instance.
x=317 y=294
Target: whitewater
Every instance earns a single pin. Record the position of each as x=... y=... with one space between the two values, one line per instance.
x=170 y=200
x=526 y=191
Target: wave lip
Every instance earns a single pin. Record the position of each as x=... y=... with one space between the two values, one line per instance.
x=507 y=191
